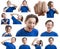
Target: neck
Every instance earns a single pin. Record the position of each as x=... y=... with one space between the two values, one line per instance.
x=7 y=32
x=49 y=30
x=27 y=29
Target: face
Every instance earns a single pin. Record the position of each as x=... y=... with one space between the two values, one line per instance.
x=4 y=15
x=13 y=40
x=30 y=23
x=8 y=29
x=49 y=25
x=8 y=3
x=38 y=42
x=24 y=41
x=52 y=4
x=24 y=3
x=51 y=41
x=19 y=17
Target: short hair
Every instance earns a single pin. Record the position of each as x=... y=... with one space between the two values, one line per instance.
x=8 y=1
x=51 y=38
x=49 y=3
x=49 y=21
x=13 y=37
x=24 y=38
x=32 y=16
x=2 y=14
x=21 y=18
x=8 y=26
x=24 y=1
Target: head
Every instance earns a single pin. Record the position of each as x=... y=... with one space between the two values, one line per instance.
x=50 y=4
x=40 y=42
x=24 y=40
x=24 y=2
x=20 y=18
x=30 y=21
x=51 y=40
x=13 y=39
x=49 y=24
x=8 y=3
x=3 y=15
x=8 y=28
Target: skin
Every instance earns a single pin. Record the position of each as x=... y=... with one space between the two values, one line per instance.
x=30 y=24
x=8 y=30
x=24 y=41
x=24 y=3
x=51 y=41
x=8 y=3
x=13 y=40
x=4 y=15
x=49 y=26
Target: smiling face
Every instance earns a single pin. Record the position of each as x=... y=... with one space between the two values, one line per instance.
x=30 y=23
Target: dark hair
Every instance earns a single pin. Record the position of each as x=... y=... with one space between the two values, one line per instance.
x=24 y=38
x=41 y=43
x=32 y=16
x=21 y=18
x=2 y=14
x=13 y=37
x=49 y=21
x=8 y=26
x=24 y=1
x=49 y=3
x=51 y=38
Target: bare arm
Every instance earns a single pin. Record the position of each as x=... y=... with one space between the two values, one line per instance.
x=34 y=41
x=4 y=41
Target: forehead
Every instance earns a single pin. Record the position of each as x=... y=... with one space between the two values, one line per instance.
x=49 y=23
x=31 y=19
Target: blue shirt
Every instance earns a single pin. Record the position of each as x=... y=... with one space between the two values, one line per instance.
x=9 y=45
x=10 y=9
x=7 y=35
x=23 y=32
x=24 y=9
x=24 y=47
x=49 y=34
x=50 y=47
x=5 y=20
x=15 y=21
x=37 y=46
x=50 y=13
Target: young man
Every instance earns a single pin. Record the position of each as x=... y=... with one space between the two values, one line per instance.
x=24 y=7
x=24 y=46
x=8 y=31
x=10 y=7
x=51 y=45
x=17 y=20
x=9 y=45
x=4 y=20
x=52 y=10
x=30 y=21
x=49 y=25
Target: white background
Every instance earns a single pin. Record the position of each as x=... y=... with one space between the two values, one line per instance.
x=40 y=26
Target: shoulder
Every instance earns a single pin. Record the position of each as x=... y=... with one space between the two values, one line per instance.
x=43 y=33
